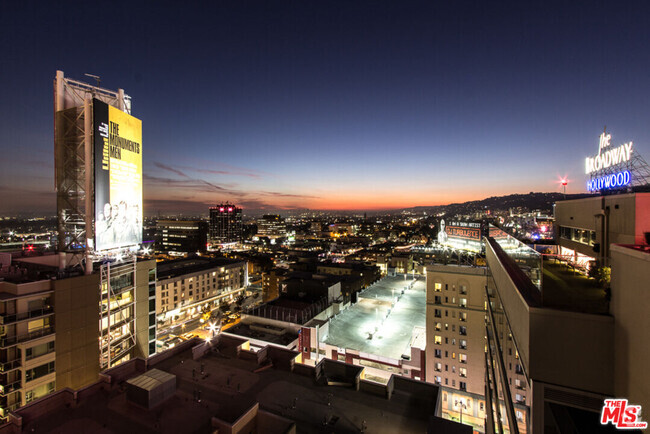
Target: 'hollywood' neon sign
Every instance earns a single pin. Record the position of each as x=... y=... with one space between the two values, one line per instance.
x=609 y=181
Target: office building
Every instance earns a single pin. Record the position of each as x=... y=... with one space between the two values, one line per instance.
x=271 y=226
x=181 y=237
x=225 y=224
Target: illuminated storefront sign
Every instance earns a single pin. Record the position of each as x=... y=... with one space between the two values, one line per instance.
x=609 y=181
x=608 y=157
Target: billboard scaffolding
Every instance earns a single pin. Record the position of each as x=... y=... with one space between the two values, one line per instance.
x=74 y=163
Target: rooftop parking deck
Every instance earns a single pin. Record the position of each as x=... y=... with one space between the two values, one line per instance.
x=368 y=327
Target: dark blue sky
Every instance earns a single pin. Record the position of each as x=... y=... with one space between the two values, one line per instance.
x=339 y=105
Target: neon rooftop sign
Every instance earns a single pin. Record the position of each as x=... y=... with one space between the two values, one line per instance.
x=608 y=157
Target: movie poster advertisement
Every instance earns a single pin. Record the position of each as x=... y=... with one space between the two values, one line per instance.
x=118 y=177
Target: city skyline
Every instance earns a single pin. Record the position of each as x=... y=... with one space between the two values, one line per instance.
x=345 y=107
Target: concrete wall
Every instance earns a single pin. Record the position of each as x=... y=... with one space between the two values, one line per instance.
x=629 y=306
x=142 y=307
x=558 y=347
x=572 y=349
x=629 y=218
x=76 y=303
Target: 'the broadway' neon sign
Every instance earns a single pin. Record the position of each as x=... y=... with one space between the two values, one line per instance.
x=609 y=181
x=608 y=157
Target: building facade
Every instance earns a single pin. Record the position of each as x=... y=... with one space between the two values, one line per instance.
x=57 y=330
x=271 y=226
x=585 y=228
x=181 y=237
x=225 y=224
x=189 y=287
x=455 y=349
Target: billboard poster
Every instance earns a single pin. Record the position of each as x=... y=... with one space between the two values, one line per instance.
x=118 y=177
x=461 y=235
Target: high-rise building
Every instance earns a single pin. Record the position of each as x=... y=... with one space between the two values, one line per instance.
x=49 y=324
x=271 y=226
x=181 y=237
x=225 y=224
x=65 y=317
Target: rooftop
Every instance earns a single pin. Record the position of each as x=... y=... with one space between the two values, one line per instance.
x=352 y=328
x=223 y=385
x=566 y=289
x=179 y=267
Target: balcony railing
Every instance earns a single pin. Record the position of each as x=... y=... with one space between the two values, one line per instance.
x=8 y=341
x=10 y=365
x=8 y=319
x=6 y=389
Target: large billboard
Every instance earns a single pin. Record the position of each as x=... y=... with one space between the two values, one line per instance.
x=118 y=177
x=461 y=235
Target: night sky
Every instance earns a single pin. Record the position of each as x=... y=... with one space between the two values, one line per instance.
x=332 y=105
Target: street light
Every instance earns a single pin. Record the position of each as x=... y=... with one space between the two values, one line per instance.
x=461 y=403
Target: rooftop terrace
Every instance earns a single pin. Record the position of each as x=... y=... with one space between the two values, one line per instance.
x=224 y=386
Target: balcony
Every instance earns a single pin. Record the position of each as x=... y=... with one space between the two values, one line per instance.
x=8 y=341
x=12 y=387
x=10 y=365
x=12 y=318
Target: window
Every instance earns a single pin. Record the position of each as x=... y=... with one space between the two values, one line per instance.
x=462 y=385
x=39 y=350
x=438 y=326
x=446 y=353
x=39 y=392
x=446 y=340
x=463 y=344
x=39 y=371
x=437 y=313
x=438 y=379
x=462 y=316
x=463 y=330
x=446 y=381
x=438 y=353
x=437 y=287
x=462 y=358
x=437 y=366
x=453 y=383
x=437 y=340
x=463 y=289
x=463 y=302
x=462 y=372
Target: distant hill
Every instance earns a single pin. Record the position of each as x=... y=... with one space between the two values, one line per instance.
x=531 y=201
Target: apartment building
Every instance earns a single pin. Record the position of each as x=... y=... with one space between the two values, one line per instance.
x=186 y=287
x=56 y=328
x=455 y=349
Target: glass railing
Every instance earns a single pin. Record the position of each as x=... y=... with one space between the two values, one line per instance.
x=527 y=259
x=7 y=319
x=12 y=340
